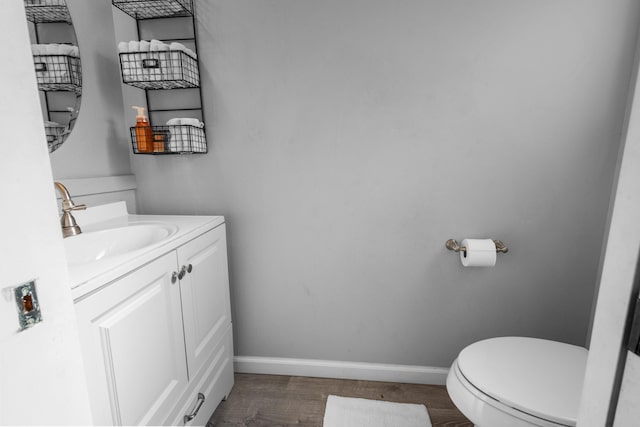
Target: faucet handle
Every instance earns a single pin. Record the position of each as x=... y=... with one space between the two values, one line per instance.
x=68 y=207
x=78 y=207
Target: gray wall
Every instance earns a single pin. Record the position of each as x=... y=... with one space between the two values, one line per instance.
x=98 y=145
x=350 y=138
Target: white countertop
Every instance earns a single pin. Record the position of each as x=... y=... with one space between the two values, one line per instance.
x=89 y=277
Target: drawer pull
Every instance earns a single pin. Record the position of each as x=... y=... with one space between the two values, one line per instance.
x=188 y=418
x=189 y=268
x=183 y=272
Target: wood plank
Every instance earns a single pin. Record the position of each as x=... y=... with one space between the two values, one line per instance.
x=277 y=400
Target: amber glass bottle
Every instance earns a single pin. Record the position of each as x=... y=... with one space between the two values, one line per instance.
x=144 y=135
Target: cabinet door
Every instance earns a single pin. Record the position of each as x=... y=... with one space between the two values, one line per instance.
x=131 y=334
x=205 y=296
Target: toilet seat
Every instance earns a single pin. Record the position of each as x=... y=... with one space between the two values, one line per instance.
x=536 y=382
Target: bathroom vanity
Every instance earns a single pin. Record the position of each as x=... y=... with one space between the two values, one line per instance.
x=151 y=295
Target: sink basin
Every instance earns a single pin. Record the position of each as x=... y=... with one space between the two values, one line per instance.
x=98 y=245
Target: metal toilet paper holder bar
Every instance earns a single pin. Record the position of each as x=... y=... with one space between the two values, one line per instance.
x=453 y=245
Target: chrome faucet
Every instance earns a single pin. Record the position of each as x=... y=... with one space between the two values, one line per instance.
x=67 y=221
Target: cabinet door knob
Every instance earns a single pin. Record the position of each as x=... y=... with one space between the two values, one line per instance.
x=183 y=272
x=188 y=418
x=189 y=268
x=174 y=277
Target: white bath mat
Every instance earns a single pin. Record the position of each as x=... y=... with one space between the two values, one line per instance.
x=355 y=412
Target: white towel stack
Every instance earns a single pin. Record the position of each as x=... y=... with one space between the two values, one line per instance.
x=182 y=130
x=55 y=49
x=153 y=46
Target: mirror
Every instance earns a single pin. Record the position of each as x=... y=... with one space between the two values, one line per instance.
x=57 y=63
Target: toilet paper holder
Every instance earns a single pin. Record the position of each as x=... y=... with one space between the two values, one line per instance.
x=453 y=245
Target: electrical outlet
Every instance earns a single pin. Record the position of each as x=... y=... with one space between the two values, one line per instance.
x=27 y=304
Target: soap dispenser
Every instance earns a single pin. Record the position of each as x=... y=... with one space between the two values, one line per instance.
x=144 y=135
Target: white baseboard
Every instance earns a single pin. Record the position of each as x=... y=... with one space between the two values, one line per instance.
x=341 y=370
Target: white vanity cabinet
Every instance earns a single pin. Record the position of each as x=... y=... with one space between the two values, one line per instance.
x=157 y=341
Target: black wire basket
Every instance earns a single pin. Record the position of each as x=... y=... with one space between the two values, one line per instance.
x=149 y=9
x=166 y=69
x=170 y=139
x=58 y=72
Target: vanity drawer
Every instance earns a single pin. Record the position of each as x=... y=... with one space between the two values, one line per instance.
x=215 y=385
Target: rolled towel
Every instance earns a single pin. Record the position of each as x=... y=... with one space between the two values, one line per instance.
x=191 y=122
x=145 y=45
x=174 y=69
x=134 y=46
x=177 y=46
x=123 y=47
x=191 y=53
x=154 y=45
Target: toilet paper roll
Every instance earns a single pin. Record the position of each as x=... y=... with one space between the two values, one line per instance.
x=479 y=253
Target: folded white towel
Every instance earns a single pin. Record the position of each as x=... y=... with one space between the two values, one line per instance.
x=65 y=49
x=123 y=47
x=52 y=49
x=134 y=46
x=155 y=45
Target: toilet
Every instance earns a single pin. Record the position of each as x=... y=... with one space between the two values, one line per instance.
x=518 y=382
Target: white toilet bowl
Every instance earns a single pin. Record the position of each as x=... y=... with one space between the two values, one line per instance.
x=516 y=381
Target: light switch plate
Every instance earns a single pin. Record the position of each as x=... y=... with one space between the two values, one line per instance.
x=27 y=304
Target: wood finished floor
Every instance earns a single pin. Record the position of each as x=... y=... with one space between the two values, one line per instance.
x=274 y=400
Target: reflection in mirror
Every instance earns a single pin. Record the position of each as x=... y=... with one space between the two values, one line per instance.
x=57 y=63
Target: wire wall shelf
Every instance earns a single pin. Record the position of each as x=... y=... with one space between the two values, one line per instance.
x=151 y=9
x=160 y=70
x=41 y=11
x=174 y=139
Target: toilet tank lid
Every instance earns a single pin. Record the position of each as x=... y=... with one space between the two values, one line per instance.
x=540 y=377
